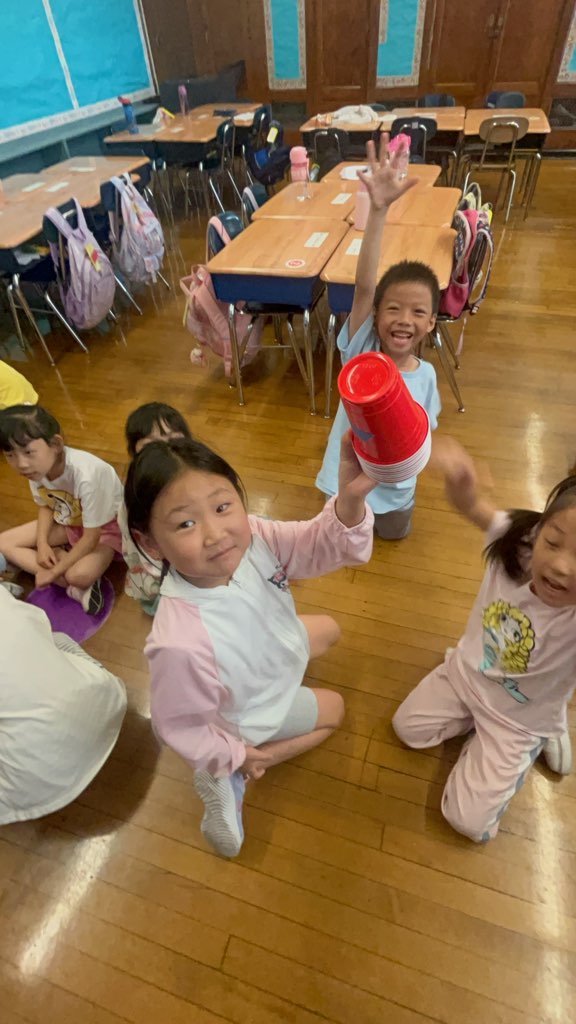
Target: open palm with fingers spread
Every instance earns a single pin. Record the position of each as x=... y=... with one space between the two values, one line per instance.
x=384 y=183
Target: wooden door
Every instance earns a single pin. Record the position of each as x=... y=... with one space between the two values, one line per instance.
x=338 y=44
x=462 y=49
x=525 y=46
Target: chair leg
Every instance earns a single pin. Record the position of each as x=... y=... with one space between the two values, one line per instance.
x=235 y=352
x=48 y=298
x=330 y=347
x=309 y=361
x=128 y=295
x=24 y=344
x=296 y=349
x=164 y=281
x=532 y=182
x=449 y=344
x=216 y=194
x=510 y=193
x=30 y=316
x=277 y=321
x=438 y=345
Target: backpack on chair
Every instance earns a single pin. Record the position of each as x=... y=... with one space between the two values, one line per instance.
x=473 y=241
x=86 y=282
x=139 y=251
x=206 y=317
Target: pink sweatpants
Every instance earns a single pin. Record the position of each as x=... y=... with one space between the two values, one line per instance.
x=493 y=763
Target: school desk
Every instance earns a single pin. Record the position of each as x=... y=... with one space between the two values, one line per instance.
x=324 y=199
x=276 y=262
x=427 y=174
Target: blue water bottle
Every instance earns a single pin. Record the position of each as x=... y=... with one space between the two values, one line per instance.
x=129 y=115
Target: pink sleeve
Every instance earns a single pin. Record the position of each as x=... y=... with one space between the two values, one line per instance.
x=316 y=546
x=187 y=696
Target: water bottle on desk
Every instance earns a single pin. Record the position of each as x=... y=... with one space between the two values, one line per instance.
x=299 y=170
x=183 y=97
x=129 y=115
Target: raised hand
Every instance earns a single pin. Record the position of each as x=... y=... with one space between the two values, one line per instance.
x=383 y=182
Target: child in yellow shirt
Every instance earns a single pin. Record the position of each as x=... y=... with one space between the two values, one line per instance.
x=14 y=388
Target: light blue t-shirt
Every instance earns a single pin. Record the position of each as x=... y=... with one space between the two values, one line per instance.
x=423 y=388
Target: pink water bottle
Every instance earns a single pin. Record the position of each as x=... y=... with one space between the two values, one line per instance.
x=298 y=164
x=183 y=97
x=362 y=207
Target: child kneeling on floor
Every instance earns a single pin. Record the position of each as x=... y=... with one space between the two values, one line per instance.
x=76 y=535
x=509 y=680
x=227 y=651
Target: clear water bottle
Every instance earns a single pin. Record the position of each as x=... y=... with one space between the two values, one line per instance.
x=183 y=97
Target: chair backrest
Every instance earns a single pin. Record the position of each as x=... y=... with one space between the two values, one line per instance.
x=260 y=125
x=253 y=197
x=436 y=99
x=226 y=140
x=502 y=130
x=330 y=140
x=419 y=129
x=379 y=107
x=506 y=99
x=222 y=228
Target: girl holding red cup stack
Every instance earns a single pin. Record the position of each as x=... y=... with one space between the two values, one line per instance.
x=392 y=316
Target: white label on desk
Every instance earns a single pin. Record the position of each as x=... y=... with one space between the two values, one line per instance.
x=32 y=188
x=354 y=247
x=341 y=198
x=59 y=185
x=316 y=240
x=173 y=131
x=88 y=169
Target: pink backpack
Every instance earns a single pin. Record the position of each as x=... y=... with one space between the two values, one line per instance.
x=473 y=241
x=206 y=317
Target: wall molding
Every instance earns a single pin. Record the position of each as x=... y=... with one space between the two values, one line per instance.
x=384 y=36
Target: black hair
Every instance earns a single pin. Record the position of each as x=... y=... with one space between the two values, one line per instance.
x=20 y=424
x=157 y=465
x=142 y=421
x=513 y=548
x=412 y=272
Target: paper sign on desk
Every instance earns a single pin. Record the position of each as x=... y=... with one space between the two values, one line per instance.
x=59 y=185
x=82 y=169
x=354 y=247
x=173 y=131
x=32 y=188
x=341 y=198
x=316 y=240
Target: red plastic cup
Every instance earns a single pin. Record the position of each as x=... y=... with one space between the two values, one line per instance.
x=389 y=426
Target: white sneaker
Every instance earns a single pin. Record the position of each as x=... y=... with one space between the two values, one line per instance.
x=222 y=821
x=557 y=752
x=91 y=599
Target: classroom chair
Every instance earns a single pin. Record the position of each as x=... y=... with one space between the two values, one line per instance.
x=436 y=99
x=217 y=166
x=253 y=197
x=330 y=140
x=496 y=152
x=420 y=130
x=269 y=164
x=506 y=99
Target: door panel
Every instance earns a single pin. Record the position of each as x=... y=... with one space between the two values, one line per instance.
x=338 y=52
x=525 y=46
x=462 y=48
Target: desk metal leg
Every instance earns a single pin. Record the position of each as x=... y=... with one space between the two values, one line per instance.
x=235 y=352
x=24 y=344
x=296 y=349
x=439 y=346
x=330 y=346
x=15 y=286
x=532 y=182
x=309 y=361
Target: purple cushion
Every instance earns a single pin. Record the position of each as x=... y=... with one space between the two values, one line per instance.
x=67 y=616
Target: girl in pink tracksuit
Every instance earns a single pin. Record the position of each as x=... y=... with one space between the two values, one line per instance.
x=510 y=678
x=227 y=651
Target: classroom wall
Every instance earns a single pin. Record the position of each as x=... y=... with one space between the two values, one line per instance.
x=170 y=35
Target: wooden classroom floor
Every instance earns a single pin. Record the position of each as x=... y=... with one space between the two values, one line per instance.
x=352 y=901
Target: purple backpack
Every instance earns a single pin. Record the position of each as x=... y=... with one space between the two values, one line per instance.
x=87 y=284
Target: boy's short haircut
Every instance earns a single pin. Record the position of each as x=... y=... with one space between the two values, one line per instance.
x=409 y=272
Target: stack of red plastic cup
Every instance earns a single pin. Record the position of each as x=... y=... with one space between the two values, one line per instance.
x=391 y=431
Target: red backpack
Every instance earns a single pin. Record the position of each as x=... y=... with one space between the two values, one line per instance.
x=206 y=317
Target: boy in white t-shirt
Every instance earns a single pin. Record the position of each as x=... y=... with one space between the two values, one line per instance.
x=76 y=535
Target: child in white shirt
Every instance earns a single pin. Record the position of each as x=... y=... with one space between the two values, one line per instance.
x=76 y=535
x=392 y=316
x=512 y=674
x=227 y=651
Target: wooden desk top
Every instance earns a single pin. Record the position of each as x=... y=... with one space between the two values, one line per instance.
x=426 y=173
x=23 y=211
x=200 y=125
x=448 y=119
x=333 y=200
x=538 y=122
x=431 y=245
x=269 y=247
x=434 y=207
